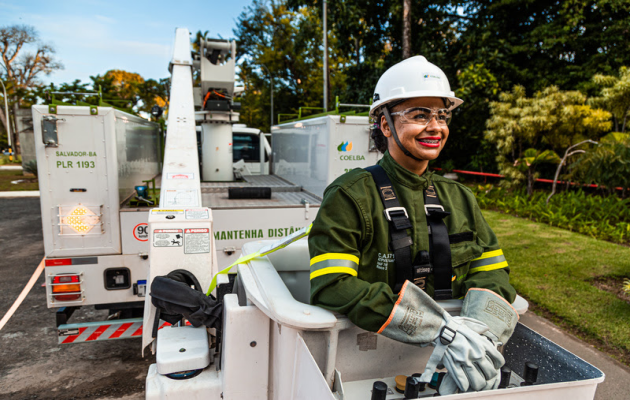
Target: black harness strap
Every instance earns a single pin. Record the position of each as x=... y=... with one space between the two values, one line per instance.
x=438 y=260
x=440 y=249
x=399 y=223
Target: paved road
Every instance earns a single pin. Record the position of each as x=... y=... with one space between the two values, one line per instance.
x=33 y=366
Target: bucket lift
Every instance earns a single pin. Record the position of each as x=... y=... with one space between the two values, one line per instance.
x=218 y=111
x=273 y=344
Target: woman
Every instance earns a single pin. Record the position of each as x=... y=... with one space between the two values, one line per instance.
x=390 y=239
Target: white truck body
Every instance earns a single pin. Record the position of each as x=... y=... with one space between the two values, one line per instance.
x=314 y=152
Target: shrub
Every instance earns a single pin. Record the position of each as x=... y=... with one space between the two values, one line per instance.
x=606 y=218
x=30 y=167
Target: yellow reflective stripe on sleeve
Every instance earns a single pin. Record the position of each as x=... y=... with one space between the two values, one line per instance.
x=489 y=254
x=334 y=263
x=333 y=270
x=490 y=267
x=335 y=256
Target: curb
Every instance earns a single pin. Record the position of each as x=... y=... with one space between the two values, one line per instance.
x=11 y=167
x=20 y=193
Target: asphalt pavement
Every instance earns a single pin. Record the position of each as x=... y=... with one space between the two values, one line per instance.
x=33 y=366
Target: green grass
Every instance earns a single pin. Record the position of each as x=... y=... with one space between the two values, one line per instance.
x=552 y=268
x=6 y=176
x=4 y=160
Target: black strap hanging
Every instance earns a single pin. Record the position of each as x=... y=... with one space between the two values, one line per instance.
x=398 y=222
x=440 y=249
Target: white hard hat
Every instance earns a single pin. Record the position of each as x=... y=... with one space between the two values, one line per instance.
x=413 y=77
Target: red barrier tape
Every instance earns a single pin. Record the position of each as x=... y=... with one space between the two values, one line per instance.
x=459 y=171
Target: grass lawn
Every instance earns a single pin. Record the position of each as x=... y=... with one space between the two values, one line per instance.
x=6 y=176
x=554 y=269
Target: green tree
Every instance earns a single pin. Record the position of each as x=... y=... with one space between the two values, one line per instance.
x=25 y=58
x=551 y=120
x=288 y=43
x=615 y=96
x=531 y=159
x=608 y=164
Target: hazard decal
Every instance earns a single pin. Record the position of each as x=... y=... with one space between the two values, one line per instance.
x=141 y=232
x=168 y=238
x=197 y=240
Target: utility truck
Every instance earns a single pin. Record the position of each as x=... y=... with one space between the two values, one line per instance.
x=102 y=176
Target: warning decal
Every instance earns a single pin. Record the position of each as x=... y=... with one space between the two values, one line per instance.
x=180 y=175
x=141 y=232
x=168 y=238
x=164 y=211
x=197 y=214
x=197 y=240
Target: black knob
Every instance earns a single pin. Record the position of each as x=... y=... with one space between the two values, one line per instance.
x=531 y=372
x=422 y=385
x=412 y=387
x=379 y=390
x=506 y=374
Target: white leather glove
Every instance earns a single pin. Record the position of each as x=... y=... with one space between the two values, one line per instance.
x=472 y=359
x=489 y=315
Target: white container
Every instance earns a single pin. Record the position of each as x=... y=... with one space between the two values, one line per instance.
x=312 y=153
x=216 y=150
x=94 y=158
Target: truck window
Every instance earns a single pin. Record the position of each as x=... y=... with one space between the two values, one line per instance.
x=246 y=147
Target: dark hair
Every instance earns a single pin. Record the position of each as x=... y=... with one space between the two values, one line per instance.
x=380 y=141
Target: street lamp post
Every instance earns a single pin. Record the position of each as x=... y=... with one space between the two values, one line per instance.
x=271 y=85
x=325 y=17
x=6 y=112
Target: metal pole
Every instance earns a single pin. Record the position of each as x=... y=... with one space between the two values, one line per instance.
x=271 y=85
x=325 y=59
x=6 y=112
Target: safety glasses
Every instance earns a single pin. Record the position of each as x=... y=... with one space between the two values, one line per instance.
x=423 y=115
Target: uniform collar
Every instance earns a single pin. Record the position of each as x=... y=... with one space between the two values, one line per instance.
x=402 y=175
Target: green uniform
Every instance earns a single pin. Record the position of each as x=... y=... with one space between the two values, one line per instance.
x=352 y=269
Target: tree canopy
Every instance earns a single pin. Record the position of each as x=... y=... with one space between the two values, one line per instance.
x=484 y=47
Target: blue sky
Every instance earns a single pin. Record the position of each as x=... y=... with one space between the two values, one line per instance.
x=94 y=36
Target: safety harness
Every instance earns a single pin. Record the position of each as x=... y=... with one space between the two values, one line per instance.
x=437 y=260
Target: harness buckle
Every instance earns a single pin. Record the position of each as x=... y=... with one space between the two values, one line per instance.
x=434 y=206
x=388 y=212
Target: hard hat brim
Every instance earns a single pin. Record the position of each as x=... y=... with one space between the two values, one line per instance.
x=411 y=95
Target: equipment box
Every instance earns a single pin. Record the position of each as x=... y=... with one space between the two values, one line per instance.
x=89 y=159
x=312 y=153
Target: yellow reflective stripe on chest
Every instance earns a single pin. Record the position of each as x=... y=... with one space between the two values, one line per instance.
x=334 y=263
x=488 y=261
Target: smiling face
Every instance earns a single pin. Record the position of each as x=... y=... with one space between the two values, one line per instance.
x=423 y=142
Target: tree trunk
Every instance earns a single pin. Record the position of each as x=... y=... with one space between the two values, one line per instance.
x=14 y=132
x=2 y=117
x=530 y=181
x=406 y=33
